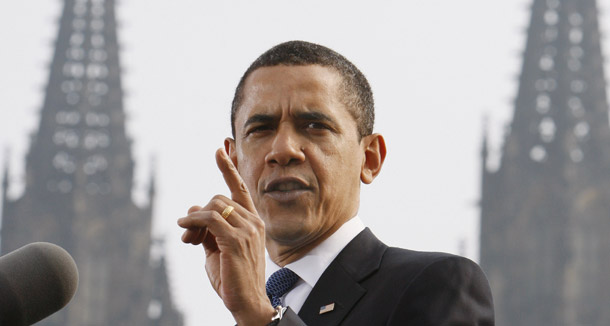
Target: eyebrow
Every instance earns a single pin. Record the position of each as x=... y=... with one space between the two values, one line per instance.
x=314 y=116
x=305 y=116
x=259 y=118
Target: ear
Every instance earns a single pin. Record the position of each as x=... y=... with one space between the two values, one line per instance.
x=374 y=155
x=231 y=150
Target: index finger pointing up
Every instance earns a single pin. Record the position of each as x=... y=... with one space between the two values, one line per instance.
x=237 y=186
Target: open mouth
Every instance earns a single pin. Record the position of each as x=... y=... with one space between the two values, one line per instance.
x=286 y=185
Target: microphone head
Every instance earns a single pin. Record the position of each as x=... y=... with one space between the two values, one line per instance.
x=36 y=280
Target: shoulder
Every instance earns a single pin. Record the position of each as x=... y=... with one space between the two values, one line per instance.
x=366 y=253
x=434 y=271
x=435 y=263
x=407 y=270
x=408 y=287
x=439 y=288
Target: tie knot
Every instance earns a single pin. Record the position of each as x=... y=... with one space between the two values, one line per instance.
x=279 y=283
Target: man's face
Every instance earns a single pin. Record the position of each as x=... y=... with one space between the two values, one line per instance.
x=298 y=150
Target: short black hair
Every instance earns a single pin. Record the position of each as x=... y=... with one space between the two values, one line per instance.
x=357 y=95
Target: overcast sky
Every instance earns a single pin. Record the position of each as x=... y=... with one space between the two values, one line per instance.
x=437 y=67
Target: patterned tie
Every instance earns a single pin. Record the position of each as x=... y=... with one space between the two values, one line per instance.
x=279 y=283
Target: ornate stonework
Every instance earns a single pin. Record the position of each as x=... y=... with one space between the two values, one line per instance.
x=79 y=178
x=545 y=213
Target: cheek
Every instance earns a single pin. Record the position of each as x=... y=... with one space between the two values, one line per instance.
x=340 y=172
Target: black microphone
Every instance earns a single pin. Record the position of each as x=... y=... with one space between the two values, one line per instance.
x=36 y=280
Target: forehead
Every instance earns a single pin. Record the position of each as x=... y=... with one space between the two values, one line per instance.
x=295 y=87
x=306 y=76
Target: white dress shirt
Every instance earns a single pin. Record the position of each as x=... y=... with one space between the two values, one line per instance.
x=311 y=266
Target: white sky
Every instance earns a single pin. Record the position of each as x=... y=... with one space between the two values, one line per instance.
x=437 y=67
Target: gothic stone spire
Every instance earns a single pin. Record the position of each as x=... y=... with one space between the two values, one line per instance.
x=79 y=175
x=545 y=213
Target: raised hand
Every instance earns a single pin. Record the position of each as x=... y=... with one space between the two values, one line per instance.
x=234 y=247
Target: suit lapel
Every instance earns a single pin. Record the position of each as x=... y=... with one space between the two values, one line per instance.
x=339 y=284
x=339 y=290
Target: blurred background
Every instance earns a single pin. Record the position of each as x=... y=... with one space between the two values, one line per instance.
x=442 y=73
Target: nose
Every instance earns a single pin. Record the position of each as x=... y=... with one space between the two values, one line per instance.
x=286 y=147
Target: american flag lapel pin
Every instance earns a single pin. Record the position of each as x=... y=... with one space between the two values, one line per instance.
x=327 y=308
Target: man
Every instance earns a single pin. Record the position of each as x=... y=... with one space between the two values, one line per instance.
x=302 y=121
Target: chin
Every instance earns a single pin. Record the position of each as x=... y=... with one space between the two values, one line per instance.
x=286 y=232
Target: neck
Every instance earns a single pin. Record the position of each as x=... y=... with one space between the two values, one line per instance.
x=283 y=253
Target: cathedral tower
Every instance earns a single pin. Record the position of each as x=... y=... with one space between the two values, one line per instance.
x=79 y=178
x=545 y=213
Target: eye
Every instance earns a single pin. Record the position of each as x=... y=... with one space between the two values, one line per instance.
x=316 y=125
x=258 y=129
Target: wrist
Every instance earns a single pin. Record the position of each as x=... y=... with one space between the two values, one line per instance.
x=279 y=313
x=256 y=317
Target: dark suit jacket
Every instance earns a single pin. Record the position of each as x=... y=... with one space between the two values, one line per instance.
x=372 y=284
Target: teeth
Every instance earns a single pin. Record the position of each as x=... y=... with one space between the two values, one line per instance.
x=289 y=186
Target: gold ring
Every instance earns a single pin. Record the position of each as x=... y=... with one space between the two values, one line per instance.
x=227 y=211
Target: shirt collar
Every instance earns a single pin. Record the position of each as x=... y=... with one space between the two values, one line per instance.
x=311 y=266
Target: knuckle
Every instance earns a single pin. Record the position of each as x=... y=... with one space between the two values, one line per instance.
x=232 y=168
x=216 y=217
x=243 y=188
x=220 y=220
x=219 y=198
x=216 y=202
x=193 y=209
x=259 y=224
x=251 y=230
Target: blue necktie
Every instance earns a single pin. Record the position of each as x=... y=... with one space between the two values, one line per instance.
x=279 y=283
